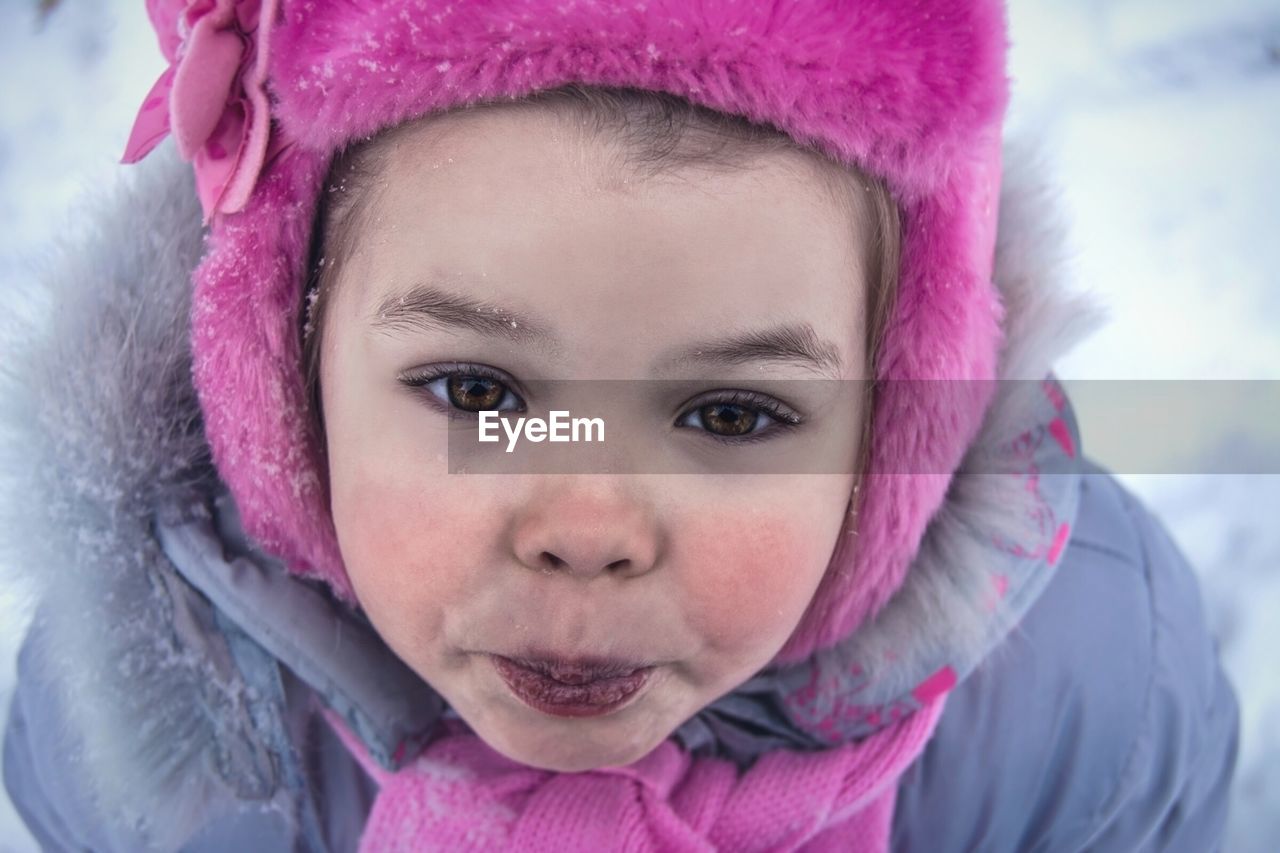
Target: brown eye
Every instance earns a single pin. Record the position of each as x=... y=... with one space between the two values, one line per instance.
x=728 y=420
x=735 y=417
x=475 y=393
x=463 y=390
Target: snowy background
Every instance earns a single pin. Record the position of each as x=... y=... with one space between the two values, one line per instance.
x=1162 y=121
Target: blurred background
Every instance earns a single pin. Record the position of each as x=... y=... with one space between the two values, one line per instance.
x=1161 y=122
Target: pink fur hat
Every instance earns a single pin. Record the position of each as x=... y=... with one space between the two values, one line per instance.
x=261 y=93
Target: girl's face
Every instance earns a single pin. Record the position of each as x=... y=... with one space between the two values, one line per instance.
x=575 y=620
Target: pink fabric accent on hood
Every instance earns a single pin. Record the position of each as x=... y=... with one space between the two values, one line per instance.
x=913 y=93
x=460 y=794
x=212 y=96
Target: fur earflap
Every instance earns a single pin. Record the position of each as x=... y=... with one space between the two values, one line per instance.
x=969 y=584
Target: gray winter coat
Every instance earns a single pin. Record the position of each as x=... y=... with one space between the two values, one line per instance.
x=169 y=686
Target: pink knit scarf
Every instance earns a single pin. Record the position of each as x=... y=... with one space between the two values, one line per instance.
x=459 y=794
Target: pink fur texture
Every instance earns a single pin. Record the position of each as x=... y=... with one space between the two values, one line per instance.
x=912 y=92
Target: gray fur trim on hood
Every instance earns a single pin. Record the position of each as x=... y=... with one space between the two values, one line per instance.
x=102 y=431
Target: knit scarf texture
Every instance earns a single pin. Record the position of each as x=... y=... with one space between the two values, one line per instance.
x=460 y=794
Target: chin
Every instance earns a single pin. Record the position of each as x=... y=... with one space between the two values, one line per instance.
x=572 y=752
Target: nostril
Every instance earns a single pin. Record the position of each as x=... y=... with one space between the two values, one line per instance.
x=550 y=561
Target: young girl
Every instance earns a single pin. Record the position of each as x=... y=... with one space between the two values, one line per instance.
x=824 y=584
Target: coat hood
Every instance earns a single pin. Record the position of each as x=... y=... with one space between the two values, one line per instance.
x=102 y=430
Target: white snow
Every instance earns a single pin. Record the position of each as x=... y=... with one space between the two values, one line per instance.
x=1161 y=118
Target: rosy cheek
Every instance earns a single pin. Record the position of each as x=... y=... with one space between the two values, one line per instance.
x=746 y=581
x=410 y=549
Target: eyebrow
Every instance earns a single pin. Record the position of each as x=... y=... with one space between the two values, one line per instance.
x=794 y=343
x=426 y=307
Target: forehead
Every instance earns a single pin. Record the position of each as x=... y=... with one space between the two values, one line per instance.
x=524 y=208
x=618 y=158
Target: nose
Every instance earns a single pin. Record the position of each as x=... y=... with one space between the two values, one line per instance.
x=586 y=525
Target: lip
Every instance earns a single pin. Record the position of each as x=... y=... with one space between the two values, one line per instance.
x=572 y=687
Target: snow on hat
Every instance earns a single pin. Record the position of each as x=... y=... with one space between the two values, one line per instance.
x=260 y=95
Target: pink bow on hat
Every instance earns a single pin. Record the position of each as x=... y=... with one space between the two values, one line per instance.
x=212 y=96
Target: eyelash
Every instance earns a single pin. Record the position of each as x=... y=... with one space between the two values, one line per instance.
x=783 y=417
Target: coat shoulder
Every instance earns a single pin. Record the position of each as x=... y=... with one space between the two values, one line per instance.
x=1103 y=722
